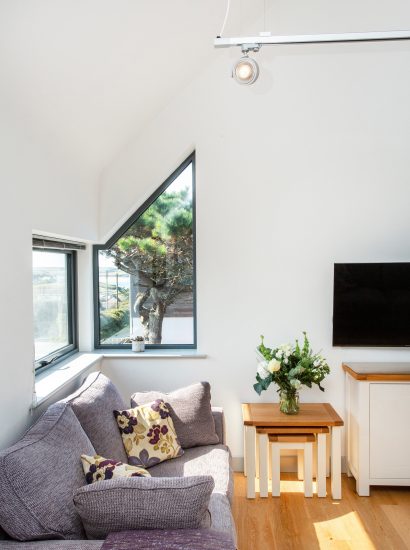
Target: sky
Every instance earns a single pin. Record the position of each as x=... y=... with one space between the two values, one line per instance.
x=42 y=259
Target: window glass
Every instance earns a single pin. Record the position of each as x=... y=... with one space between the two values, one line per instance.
x=52 y=299
x=146 y=277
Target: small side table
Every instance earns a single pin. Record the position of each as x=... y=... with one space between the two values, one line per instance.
x=311 y=415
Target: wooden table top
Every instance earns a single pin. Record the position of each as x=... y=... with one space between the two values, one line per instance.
x=378 y=371
x=310 y=414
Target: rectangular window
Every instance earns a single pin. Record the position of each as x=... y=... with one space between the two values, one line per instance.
x=144 y=275
x=53 y=305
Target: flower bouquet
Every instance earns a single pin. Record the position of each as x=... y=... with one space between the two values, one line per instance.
x=289 y=367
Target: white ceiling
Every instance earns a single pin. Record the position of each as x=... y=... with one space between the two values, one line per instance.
x=88 y=74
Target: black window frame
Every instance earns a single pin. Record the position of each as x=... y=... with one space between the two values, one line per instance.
x=40 y=365
x=119 y=233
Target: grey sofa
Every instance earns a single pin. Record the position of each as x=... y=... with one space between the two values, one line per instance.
x=42 y=472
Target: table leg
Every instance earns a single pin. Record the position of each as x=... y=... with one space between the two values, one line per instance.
x=275 y=470
x=321 y=465
x=328 y=454
x=250 y=453
x=263 y=464
x=244 y=451
x=336 y=463
x=257 y=462
x=314 y=464
x=307 y=470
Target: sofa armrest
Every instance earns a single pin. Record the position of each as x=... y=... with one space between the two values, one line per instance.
x=219 y=419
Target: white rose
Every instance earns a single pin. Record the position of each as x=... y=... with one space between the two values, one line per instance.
x=279 y=354
x=296 y=383
x=273 y=365
x=262 y=370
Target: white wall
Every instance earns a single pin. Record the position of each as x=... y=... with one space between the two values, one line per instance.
x=41 y=190
x=308 y=167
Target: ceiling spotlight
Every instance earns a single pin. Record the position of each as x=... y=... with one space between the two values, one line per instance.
x=245 y=70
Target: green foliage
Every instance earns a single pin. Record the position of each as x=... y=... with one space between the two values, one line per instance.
x=289 y=367
x=113 y=320
x=159 y=246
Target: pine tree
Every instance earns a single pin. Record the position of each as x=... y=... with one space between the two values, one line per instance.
x=157 y=250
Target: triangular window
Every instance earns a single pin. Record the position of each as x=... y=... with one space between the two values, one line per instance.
x=145 y=274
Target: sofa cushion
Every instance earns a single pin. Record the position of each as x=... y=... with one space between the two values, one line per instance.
x=97 y=468
x=190 y=410
x=143 y=503
x=53 y=545
x=39 y=476
x=93 y=404
x=148 y=433
x=219 y=419
x=212 y=460
x=169 y=539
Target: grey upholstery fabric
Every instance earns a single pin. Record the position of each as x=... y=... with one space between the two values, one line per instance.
x=219 y=419
x=143 y=503
x=213 y=460
x=169 y=539
x=221 y=515
x=52 y=545
x=39 y=476
x=190 y=410
x=93 y=404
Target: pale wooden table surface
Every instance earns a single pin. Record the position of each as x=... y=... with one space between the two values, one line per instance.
x=310 y=414
x=266 y=417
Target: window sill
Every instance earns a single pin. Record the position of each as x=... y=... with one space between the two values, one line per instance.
x=54 y=378
x=154 y=354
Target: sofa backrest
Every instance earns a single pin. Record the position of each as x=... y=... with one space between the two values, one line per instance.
x=39 y=475
x=93 y=404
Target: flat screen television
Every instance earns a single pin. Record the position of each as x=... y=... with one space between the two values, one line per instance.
x=371 y=304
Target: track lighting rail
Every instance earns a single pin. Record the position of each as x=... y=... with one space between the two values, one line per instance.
x=312 y=38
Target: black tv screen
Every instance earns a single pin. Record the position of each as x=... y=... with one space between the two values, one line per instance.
x=371 y=304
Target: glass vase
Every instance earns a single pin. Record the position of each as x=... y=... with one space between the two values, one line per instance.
x=289 y=401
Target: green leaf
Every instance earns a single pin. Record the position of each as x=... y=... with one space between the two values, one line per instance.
x=296 y=371
x=258 y=388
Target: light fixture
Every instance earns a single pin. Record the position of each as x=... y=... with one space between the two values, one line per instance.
x=245 y=70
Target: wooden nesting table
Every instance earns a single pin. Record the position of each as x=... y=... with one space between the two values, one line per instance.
x=310 y=419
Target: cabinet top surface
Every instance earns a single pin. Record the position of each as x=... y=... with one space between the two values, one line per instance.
x=378 y=371
x=310 y=414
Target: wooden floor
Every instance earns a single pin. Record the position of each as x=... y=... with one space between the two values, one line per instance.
x=290 y=522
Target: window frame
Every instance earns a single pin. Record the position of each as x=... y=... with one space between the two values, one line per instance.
x=119 y=233
x=51 y=359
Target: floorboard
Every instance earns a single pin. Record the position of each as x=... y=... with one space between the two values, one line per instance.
x=293 y=522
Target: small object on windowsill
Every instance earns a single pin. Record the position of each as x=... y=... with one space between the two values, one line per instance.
x=137 y=344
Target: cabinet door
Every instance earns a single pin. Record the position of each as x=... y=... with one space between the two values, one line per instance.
x=390 y=431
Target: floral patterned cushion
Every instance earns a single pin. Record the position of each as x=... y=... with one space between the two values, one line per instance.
x=148 y=434
x=98 y=468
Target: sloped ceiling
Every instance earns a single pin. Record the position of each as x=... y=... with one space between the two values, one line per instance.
x=89 y=74
x=86 y=76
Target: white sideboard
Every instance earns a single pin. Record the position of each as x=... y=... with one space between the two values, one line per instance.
x=378 y=424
